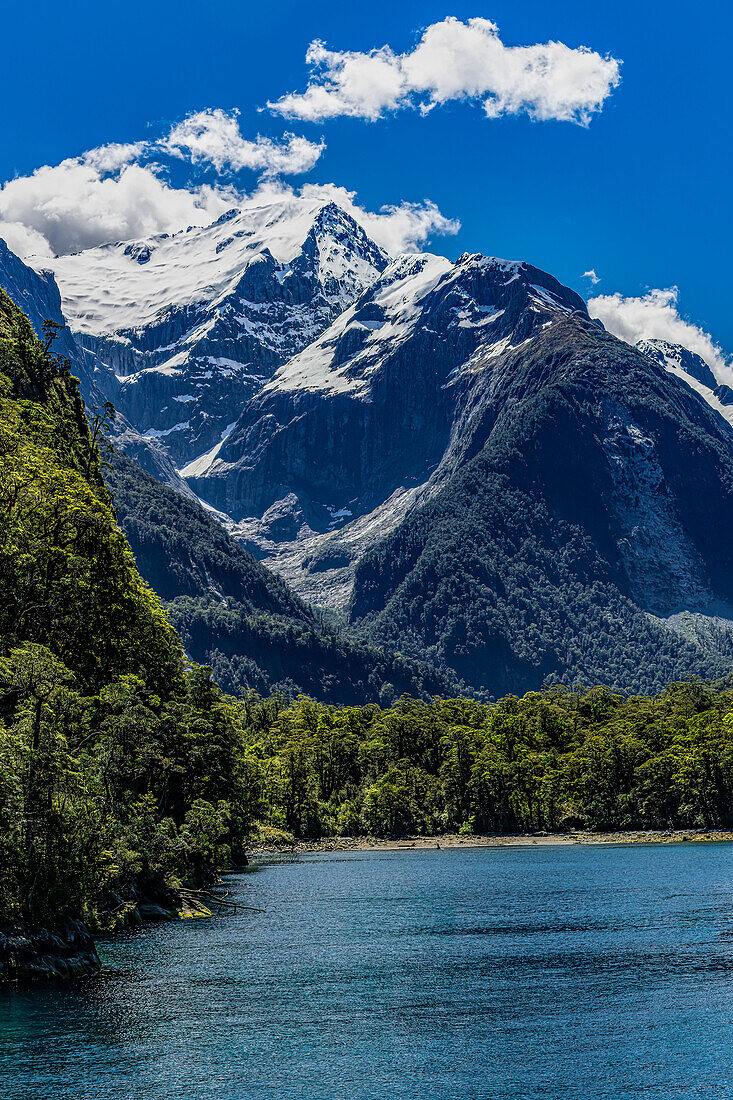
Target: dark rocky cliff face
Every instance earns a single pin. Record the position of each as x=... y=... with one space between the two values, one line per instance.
x=573 y=513
x=40 y=955
x=378 y=413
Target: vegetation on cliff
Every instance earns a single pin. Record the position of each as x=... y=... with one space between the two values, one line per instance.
x=120 y=765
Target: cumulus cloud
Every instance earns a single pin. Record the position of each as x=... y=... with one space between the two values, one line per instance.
x=75 y=205
x=112 y=157
x=119 y=191
x=23 y=240
x=592 y=276
x=456 y=61
x=214 y=137
x=655 y=316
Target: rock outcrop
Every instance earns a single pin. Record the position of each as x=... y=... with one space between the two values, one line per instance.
x=44 y=955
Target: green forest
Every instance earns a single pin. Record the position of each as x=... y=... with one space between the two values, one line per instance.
x=240 y=618
x=552 y=760
x=125 y=768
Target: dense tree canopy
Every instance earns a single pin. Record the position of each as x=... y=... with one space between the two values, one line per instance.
x=119 y=763
x=541 y=762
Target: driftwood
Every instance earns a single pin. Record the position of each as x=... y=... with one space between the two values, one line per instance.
x=223 y=901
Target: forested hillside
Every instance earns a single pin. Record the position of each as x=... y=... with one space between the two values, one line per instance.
x=571 y=523
x=121 y=768
x=240 y=618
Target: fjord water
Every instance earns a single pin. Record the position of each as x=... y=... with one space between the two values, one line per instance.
x=539 y=972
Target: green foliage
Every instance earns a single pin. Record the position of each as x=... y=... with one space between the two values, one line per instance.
x=542 y=762
x=67 y=575
x=101 y=793
x=121 y=767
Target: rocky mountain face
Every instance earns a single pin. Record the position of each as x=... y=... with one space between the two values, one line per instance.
x=452 y=456
x=345 y=438
x=369 y=405
x=192 y=325
x=235 y=615
x=694 y=371
x=584 y=499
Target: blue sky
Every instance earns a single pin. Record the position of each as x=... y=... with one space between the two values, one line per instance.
x=641 y=194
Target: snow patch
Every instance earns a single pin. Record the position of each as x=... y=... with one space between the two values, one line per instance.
x=154 y=433
x=198 y=467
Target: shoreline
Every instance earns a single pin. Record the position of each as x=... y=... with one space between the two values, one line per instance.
x=527 y=840
x=31 y=955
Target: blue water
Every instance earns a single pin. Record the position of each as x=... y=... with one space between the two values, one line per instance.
x=579 y=972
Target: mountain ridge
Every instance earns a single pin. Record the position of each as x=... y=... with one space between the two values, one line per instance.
x=351 y=464
x=185 y=351
x=547 y=522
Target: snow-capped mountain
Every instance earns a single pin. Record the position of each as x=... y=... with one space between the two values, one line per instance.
x=191 y=325
x=454 y=455
x=348 y=432
x=694 y=371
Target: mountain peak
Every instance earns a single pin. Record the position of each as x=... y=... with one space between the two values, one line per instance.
x=692 y=369
x=333 y=225
x=676 y=356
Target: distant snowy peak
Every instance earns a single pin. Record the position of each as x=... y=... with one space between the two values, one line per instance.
x=476 y=302
x=676 y=357
x=693 y=370
x=346 y=259
x=343 y=357
x=126 y=286
x=338 y=234
x=202 y=318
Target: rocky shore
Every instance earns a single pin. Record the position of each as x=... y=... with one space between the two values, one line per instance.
x=67 y=952
x=164 y=904
x=42 y=955
x=294 y=846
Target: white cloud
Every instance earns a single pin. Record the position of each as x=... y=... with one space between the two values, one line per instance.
x=119 y=191
x=110 y=158
x=115 y=193
x=592 y=276
x=655 y=316
x=74 y=205
x=214 y=137
x=23 y=240
x=456 y=60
